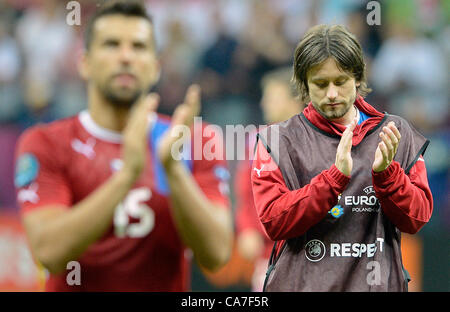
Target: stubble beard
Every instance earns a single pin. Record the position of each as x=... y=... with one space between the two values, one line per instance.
x=120 y=98
x=337 y=112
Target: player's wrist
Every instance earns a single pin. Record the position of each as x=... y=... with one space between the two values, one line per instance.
x=171 y=165
x=127 y=176
x=388 y=174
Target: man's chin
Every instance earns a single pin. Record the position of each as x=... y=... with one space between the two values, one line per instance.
x=334 y=113
x=123 y=100
x=331 y=114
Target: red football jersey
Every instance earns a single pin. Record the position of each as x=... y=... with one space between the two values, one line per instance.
x=64 y=161
x=246 y=214
x=246 y=217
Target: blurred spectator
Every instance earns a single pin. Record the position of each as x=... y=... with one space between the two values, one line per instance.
x=411 y=72
x=10 y=64
x=45 y=38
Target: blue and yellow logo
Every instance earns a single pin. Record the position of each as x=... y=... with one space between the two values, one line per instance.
x=27 y=170
x=336 y=211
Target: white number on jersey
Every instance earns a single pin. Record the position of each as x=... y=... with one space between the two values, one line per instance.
x=133 y=206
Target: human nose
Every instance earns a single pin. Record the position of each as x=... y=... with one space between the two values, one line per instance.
x=126 y=54
x=332 y=92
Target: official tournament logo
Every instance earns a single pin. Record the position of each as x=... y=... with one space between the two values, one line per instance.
x=314 y=250
x=337 y=210
x=363 y=203
x=27 y=170
x=369 y=190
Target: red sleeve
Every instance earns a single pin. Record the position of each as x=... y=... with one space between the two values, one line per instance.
x=210 y=170
x=405 y=199
x=246 y=216
x=39 y=177
x=285 y=213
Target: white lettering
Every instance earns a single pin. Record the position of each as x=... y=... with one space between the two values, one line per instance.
x=134 y=206
x=213 y=148
x=74 y=16
x=362 y=249
x=355 y=248
x=334 y=250
x=348 y=201
x=374 y=276
x=198 y=138
x=374 y=16
x=360 y=200
x=238 y=130
x=346 y=249
x=193 y=302
x=178 y=149
x=364 y=200
x=371 y=249
x=381 y=240
x=74 y=276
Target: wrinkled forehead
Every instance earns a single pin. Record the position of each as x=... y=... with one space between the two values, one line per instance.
x=121 y=27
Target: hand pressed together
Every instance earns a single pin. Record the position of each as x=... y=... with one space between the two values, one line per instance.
x=384 y=154
x=387 y=148
x=183 y=116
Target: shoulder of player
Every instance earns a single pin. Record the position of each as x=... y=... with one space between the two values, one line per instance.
x=283 y=128
x=409 y=133
x=49 y=133
x=400 y=122
x=393 y=117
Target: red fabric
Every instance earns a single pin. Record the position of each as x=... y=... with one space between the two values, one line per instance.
x=152 y=261
x=334 y=128
x=286 y=214
x=246 y=216
x=405 y=199
x=214 y=186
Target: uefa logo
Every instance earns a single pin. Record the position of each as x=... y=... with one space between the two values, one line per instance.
x=314 y=250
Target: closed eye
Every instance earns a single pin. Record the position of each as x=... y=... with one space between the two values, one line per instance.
x=139 y=45
x=321 y=84
x=111 y=43
x=340 y=82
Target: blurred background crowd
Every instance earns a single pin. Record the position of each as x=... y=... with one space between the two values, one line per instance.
x=227 y=46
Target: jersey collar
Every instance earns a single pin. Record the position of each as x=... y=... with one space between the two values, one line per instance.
x=102 y=133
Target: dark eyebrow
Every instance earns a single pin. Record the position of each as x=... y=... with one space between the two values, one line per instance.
x=135 y=42
x=140 y=42
x=109 y=39
x=317 y=79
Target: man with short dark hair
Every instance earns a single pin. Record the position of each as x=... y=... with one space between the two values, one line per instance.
x=103 y=188
x=343 y=180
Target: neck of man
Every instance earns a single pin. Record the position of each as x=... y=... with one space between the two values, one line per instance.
x=106 y=114
x=347 y=118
